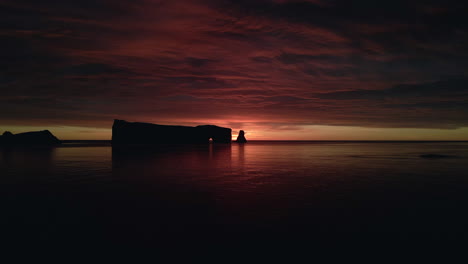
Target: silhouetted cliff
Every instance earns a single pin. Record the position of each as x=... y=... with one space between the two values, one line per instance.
x=29 y=138
x=128 y=133
x=241 y=137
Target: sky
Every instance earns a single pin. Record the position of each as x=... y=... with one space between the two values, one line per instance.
x=278 y=69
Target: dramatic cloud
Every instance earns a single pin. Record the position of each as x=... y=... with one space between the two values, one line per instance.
x=267 y=65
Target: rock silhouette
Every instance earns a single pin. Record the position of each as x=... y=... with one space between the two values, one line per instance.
x=241 y=137
x=135 y=133
x=44 y=137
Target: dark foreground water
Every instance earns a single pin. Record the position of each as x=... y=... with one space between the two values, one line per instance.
x=297 y=194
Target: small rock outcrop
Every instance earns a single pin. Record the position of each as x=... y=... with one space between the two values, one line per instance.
x=7 y=134
x=43 y=137
x=241 y=137
x=135 y=133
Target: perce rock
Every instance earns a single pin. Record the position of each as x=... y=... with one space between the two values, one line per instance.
x=135 y=133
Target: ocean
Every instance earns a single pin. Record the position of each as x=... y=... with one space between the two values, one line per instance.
x=259 y=193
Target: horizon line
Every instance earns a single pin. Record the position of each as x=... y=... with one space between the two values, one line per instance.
x=305 y=140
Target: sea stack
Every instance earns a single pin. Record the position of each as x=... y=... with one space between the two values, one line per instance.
x=241 y=137
x=135 y=133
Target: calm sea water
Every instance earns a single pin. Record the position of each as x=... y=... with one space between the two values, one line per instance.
x=260 y=192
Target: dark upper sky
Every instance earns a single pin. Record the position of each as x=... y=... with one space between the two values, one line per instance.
x=272 y=65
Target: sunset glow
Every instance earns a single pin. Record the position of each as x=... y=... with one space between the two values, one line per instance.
x=233 y=129
x=299 y=70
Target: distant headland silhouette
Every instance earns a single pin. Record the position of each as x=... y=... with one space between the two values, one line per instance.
x=44 y=137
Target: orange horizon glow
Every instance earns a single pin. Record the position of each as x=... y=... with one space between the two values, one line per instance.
x=314 y=132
